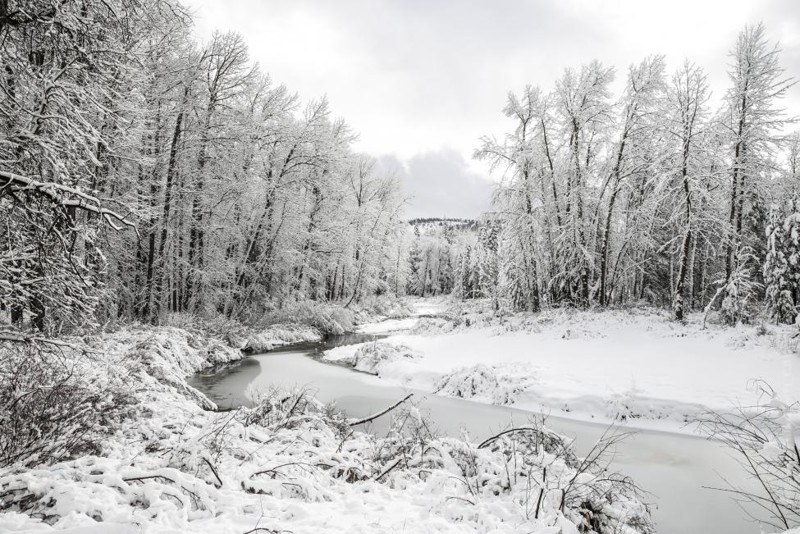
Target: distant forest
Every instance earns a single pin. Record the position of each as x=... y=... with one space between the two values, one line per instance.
x=443 y=221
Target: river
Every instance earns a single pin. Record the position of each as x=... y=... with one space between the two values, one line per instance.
x=673 y=468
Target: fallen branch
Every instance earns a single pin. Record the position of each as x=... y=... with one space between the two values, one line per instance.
x=213 y=471
x=389 y=469
x=379 y=414
x=460 y=499
x=488 y=441
x=148 y=477
x=275 y=469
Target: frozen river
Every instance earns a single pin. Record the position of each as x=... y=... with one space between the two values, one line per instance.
x=673 y=468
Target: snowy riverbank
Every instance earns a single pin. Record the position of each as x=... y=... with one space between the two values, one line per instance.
x=160 y=462
x=634 y=367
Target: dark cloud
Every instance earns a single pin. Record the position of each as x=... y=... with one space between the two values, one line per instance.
x=440 y=184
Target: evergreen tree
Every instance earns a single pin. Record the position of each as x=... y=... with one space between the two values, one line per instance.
x=782 y=264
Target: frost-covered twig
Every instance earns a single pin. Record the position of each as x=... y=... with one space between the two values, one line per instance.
x=764 y=439
x=381 y=413
x=66 y=197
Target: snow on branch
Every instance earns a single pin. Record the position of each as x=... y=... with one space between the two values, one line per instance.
x=65 y=196
x=381 y=413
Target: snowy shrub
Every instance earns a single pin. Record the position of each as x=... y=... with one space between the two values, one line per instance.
x=531 y=467
x=500 y=383
x=51 y=407
x=279 y=334
x=477 y=381
x=283 y=409
x=385 y=306
x=435 y=325
x=538 y=470
x=370 y=357
x=328 y=318
x=165 y=355
x=168 y=353
x=186 y=321
x=738 y=304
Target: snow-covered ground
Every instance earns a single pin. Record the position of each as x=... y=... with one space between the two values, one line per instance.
x=636 y=367
x=388 y=325
x=429 y=305
x=419 y=307
x=289 y=464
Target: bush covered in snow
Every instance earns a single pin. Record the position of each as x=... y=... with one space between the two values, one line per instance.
x=279 y=334
x=500 y=384
x=53 y=404
x=371 y=357
x=293 y=322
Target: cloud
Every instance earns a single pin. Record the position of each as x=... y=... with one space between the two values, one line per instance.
x=413 y=76
x=440 y=184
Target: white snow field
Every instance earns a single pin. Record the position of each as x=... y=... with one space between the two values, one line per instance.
x=418 y=308
x=635 y=367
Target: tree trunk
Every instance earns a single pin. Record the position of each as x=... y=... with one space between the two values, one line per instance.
x=172 y=170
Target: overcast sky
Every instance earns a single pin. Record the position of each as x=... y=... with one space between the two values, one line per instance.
x=422 y=80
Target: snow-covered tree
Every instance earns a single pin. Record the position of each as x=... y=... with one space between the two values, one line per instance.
x=752 y=120
x=782 y=263
x=688 y=97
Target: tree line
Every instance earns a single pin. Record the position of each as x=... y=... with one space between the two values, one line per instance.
x=142 y=174
x=649 y=197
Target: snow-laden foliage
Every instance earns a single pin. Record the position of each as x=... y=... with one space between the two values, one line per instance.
x=280 y=334
x=374 y=357
x=434 y=255
x=54 y=404
x=62 y=399
x=332 y=318
x=500 y=384
x=740 y=291
x=782 y=264
x=66 y=92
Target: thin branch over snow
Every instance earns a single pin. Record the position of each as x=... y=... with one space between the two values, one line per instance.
x=382 y=412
